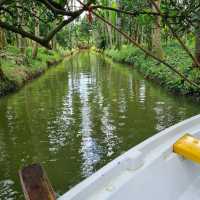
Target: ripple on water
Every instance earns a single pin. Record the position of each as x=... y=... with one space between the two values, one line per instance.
x=7 y=190
x=78 y=117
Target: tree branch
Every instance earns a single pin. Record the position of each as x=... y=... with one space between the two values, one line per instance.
x=175 y=34
x=24 y=33
x=57 y=9
x=2 y=2
x=62 y=24
x=43 y=41
x=147 y=52
x=30 y=12
x=131 y=13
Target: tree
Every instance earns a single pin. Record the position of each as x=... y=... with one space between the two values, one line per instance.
x=156 y=33
x=52 y=11
x=21 y=41
x=2 y=38
x=197 y=46
x=37 y=31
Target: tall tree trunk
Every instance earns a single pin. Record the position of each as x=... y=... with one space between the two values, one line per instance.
x=2 y=46
x=105 y=36
x=197 y=46
x=37 y=33
x=2 y=38
x=109 y=28
x=119 y=25
x=21 y=41
x=1 y=74
x=136 y=31
x=156 y=34
x=54 y=43
x=109 y=34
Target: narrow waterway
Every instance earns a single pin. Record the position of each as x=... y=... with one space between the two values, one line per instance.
x=79 y=116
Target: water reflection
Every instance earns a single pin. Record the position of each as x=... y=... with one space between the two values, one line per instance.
x=142 y=92
x=7 y=190
x=160 y=110
x=79 y=116
x=89 y=148
x=108 y=128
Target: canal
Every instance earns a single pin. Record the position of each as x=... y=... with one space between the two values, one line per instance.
x=79 y=116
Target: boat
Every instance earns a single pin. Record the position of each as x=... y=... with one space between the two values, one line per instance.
x=163 y=167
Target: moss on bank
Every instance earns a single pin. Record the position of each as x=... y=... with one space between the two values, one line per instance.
x=17 y=69
x=154 y=70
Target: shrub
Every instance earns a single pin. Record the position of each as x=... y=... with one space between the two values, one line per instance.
x=176 y=56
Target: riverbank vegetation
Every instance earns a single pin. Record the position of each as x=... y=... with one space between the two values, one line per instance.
x=21 y=58
x=161 y=38
x=157 y=71
x=17 y=68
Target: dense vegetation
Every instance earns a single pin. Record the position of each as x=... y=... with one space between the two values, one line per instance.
x=21 y=58
x=154 y=70
x=160 y=37
x=16 y=68
x=165 y=30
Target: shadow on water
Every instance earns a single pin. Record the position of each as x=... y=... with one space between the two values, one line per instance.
x=79 y=116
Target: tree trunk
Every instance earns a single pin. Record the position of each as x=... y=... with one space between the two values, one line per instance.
x=54 y=43
x=37 y=33
x=21 y=41
x=156 y=34
x=2 y=38
x=109 y=34
x=1 y=74
x=2 y=45
x=197 y=46
x=105 y=36
x=108 y=29
x=35 y=50
x=119 y=25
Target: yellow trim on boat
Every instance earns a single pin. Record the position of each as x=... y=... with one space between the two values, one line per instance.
x=188 y=147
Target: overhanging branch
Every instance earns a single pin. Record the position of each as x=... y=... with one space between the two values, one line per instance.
x=175 y=34
x=62 y=24
x=56 y=9
x=147 y=52
x=44 y=41
x=24 y=33
x=131 y=13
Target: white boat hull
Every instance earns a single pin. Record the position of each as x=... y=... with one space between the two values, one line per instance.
x=148 y=171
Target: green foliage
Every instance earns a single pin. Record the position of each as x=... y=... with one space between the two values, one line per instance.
x=154 y=70
x=12 y=49
x=126 y=54
x=18 y=68
x=182 y=15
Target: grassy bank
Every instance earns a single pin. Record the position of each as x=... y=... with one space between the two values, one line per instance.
x=16 y=69
x=158 y=72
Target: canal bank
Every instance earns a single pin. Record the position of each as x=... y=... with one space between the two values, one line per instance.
x=159 y=73
x=77 y=117
x=16 y=69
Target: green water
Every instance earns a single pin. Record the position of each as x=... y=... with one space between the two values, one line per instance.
x=79 y=116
